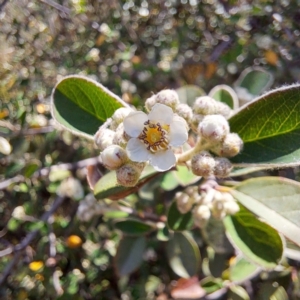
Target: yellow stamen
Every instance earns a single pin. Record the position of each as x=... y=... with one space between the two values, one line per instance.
x=155 y=136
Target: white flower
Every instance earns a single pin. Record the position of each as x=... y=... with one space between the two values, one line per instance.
x=153 y=135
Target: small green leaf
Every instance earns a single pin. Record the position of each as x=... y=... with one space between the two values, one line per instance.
x=133 y=227
x=225 y=94
x=269 y=291
x=211 y=284
x=255 y=80
x=82 y=105
x=169 y=182
x=129 y=254
x=276 y=200
x=270 y=129
x=178 y=221
x=242 y=270
x=258 y=241
x=237 y=293
x=183 y=254
x=188 y=94
x=185 y=176
x=108 y=187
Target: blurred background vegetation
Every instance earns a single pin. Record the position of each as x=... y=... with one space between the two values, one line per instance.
x=135 y=48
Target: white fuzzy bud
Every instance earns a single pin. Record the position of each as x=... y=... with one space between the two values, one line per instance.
x=231 y=207
x=150 y=102
x=205 y=105
x=72 y=188
x=120 y=137
x=203 y=164
x=184 y=202
x=195 y=121
x=223 y=109
x=119 y=115
x=223 y=167
x=104 y=138
x=213 y=128
x=88 y=208
x=184 y=111
x=201 y=214
x=231 y=146
x=113 y=157
x=168 y=97
x=128 y=175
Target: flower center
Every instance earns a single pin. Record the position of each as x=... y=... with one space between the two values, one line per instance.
x=155 y=136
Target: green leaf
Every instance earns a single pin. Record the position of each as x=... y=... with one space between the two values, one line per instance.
x=134 y=227
x=108 y=187
x=211 y=284
x=214 y=235
x=178 y=221
x=269 y=291
x=276 y=200
x=81 y=104
x=129 y=254
x=254 y=80
x=225 y=94
x=270 y=129
x=237 y=293
x=183 y=254
x=258 y=241
x=242 y=270
x=169 y=182
x=188 y=94
x=185 y=176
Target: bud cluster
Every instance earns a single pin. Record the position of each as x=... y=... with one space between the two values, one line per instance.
x=211 y=203
x=204 y=106
x=204 y=164
x=170 y=98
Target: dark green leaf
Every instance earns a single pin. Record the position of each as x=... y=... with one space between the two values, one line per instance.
x=183 y=254
x=133 y=227
x=178 y=221
x=129 y=254
x=270 y=129
x=276 y=200
x=81 y=104
x=258 y=241
x=211 y=284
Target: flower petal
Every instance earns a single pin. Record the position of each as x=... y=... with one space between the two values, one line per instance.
x=134 y=123
x=178 y=132
x=161 y=113
x=163 y=161
x=137 y=151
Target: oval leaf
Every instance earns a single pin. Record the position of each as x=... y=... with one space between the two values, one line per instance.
x=183 y=254
x=187 y=94
x=242 y=270
x=178 y=221
x=270 y=129
x=81 y=104
x=257 y=241
x=133 y=227
x=225 y=94
x=274 y=199
x=129 y=254
x=254 y=80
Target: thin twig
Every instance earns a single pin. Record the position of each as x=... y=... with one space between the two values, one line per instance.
x=28 y=239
